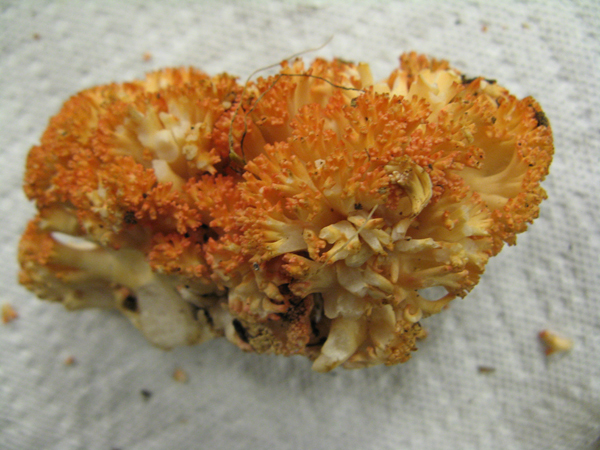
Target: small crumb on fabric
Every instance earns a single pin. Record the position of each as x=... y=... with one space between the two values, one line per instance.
x=485 y=369
x=36 y=36
x=147 y=56
x=8 y=313
x=146 y=394
x=555 y=343
x=525 y=26
x=69 y=360
x=180 y=375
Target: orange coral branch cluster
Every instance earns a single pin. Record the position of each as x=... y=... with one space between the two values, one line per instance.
x=304 y=213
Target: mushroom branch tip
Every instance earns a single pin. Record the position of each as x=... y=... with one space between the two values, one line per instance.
x=313 y=212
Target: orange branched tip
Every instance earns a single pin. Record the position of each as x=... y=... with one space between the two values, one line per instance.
x=314 y=212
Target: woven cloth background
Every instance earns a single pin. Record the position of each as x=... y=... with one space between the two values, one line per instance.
x=233 y=400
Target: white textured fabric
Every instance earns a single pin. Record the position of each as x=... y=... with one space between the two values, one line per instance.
x=233 y=400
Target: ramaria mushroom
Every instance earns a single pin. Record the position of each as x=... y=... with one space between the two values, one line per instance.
x=311 y=212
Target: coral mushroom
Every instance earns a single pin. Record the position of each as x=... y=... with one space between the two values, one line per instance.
x=304 y=213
